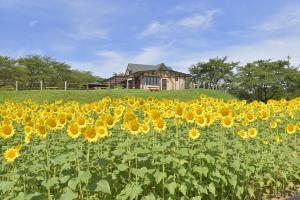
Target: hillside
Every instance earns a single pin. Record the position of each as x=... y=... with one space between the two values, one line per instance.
x=94 y=95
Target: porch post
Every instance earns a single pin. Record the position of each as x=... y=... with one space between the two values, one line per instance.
x=127 y=84
x=133 y=83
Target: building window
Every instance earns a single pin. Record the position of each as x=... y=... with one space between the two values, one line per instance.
x=151 y=80
x=176 y=78
x=152 y=73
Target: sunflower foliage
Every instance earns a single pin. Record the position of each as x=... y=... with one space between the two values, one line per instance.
x=134 y=148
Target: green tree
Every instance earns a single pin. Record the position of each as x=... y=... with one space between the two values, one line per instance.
x=38 y=67
x=215 y=72
x=266 y=79
x=10 y=72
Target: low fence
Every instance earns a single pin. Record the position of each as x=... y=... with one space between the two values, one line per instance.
x=41 y=85
x=18 y=85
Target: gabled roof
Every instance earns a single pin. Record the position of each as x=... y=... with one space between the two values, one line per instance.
x=140 y=67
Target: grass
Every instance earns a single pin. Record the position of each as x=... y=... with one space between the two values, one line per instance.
x=85 y=96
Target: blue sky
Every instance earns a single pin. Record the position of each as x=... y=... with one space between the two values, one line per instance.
x=103 y=36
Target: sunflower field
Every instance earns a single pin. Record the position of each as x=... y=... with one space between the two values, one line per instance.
x=135 y=148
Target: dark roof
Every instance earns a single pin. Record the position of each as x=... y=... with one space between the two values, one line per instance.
x=94 y=83
x=140 y=67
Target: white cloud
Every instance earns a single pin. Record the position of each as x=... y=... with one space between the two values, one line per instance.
x=196 y=21
x=109 y=61
x=287 y=19
x=275 y=49
x=150 y=55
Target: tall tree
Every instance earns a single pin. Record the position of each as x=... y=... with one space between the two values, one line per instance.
x=215 y=72
x=266 y=79
x=38 y=67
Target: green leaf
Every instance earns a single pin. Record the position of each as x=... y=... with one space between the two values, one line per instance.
x=31 y=196
x=201 y=170
x=118 y=152
x=171 y=187
x=6 y=185
x=159 y=176
x=233 y=180
x=183 y=152
x=203 y=190
x=59 y=160
x=51 y=182
x=122 y=167
x=140 y=150
x=211 y=188
x=240 y=191
x=131 y=191
x=182 y=171
x=68 y=194
x=72 y=183
x=251 y=191
x=140 y=172
x=183 y=189
x=64 y=179
x=103 y=186
x=149 y=197
x=21 y=196
x=84 y=176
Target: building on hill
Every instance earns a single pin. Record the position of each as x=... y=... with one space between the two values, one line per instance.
x=154 y=77
x=116 y=81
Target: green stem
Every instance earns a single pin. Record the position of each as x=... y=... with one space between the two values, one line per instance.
x=88 y=156
x=78 y=169
x=48 y=170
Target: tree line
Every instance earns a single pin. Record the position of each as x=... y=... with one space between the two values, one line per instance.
x=259 y=80
x=36 y=68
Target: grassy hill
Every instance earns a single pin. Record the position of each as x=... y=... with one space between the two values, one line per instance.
x=94 y=95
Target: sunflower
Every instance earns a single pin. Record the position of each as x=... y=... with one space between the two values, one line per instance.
x=52 y=123
x=7 y=130
x=252 y=132
x=134 y=127
x=273 y=124
x=179 y=111
x=102 y=131
x=291 y=128
x=210 y=118
x=189 y=116
x=27 y=129
x=243 y=134
x=62 y=120
x=227 y=122
x=160 y=125
x=145 y=128
x=224 y=111
x=194 y=133
x=90 y=134
x=12 y=153
x=110 y=121
x=264 y=115
x=27 y=138
x=250 y=116
x=177 y=121
x=265 y=142
x=154 y=114
x=200 y=121
x=41 y=131
x=74 y=130
x=277 y=138
x=198 y=110
x=81 y=121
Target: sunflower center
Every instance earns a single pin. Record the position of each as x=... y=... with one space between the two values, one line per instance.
x=7 y=130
